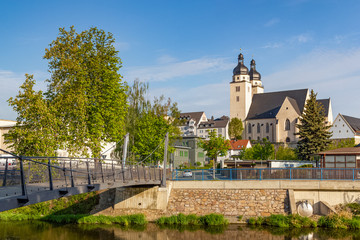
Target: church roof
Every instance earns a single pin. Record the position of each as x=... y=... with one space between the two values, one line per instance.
x=267 y=105
x=353 y=122
x=325 y=103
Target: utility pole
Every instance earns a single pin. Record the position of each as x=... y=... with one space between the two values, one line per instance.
x=126 y=140
x=163 y=182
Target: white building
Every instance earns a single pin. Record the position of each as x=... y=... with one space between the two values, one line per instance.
x=196 y=124
x=5 y=126
x=346 y=127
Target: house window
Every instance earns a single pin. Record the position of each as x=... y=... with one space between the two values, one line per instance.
x=258 y=138
x=287 y=140
x=267 y=137
x=237 y=78
x=250 y=138
x=237 y=98
x=287 y=125
x=249 y=128
x=258 y=128
x=267 y=127
x=238 y=89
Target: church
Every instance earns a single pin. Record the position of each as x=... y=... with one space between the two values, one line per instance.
x=271 y=115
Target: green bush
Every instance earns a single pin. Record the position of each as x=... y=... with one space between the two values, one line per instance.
x=354 y=208
x=192 y=219
x=278 y=220
x=332 y=221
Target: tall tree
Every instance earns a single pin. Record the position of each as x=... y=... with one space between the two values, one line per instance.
x=235 y=128
x=36 y=130
x=86 y=89
x=313 y=132
x=147 y=123
x=214 y=147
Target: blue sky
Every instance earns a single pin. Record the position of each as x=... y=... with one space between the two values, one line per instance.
x=187 y=49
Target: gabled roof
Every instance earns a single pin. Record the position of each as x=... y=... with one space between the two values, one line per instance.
x=325 y=103
x=217 y=123
x=340 y=151
x=267 y=105
x=239 y=144
x=194 y=115
x=353 y=122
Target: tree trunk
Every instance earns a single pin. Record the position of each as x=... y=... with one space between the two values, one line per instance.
x=214 y=164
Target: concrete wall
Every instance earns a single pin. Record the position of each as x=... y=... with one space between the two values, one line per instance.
x=231 y=198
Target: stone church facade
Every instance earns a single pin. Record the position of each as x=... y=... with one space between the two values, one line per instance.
x=272 y=115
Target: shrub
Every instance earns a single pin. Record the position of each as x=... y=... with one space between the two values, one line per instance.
x=354 y=208
x=332 y=221
x=192 y=219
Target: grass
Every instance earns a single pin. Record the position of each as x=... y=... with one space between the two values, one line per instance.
x=192 y=219
x=283 y=221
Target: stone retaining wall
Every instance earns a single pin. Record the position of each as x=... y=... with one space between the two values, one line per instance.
x=230 y=202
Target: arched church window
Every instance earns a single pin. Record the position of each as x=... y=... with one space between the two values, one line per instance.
x=258 y=128
x=287 y=140
x=267 y=127
x=287 y=125
x=249 y=128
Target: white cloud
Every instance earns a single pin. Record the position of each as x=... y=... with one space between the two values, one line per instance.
x=293 y=40
x=165 y=59
x=211 y=98
x=271 y=22
x=331 y=73
x=168 y=71
x=302 y=38
x=273 y=45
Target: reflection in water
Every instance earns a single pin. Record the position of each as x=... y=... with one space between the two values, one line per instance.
x=45 y=231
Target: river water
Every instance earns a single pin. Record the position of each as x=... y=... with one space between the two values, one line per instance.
x=48 y=231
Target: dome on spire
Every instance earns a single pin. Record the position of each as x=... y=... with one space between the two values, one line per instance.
x=241 y=68
x=254 y=75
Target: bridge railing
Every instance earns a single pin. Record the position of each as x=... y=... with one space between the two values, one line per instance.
x=20 y=176
x=267 y=174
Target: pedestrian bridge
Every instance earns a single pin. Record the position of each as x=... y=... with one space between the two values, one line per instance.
x=29 y=180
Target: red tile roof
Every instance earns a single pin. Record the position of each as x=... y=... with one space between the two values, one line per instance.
x=239 y=144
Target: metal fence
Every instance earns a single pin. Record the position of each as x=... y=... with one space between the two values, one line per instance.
x=20 y=176
x=267 y=174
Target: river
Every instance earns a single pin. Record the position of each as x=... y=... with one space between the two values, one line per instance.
x=47 y=231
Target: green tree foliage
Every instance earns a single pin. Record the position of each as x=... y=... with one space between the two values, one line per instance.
x=35 y=133
x=313 y=132
x=85 y=95
x=235 y=128
x=343 y=143
x=214 y=147
x=286 y=153
x=260 y=151
x=147 y=123
x=263 y=150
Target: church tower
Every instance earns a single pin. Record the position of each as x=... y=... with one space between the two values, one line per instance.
x=240 y=91
x=255 y=79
